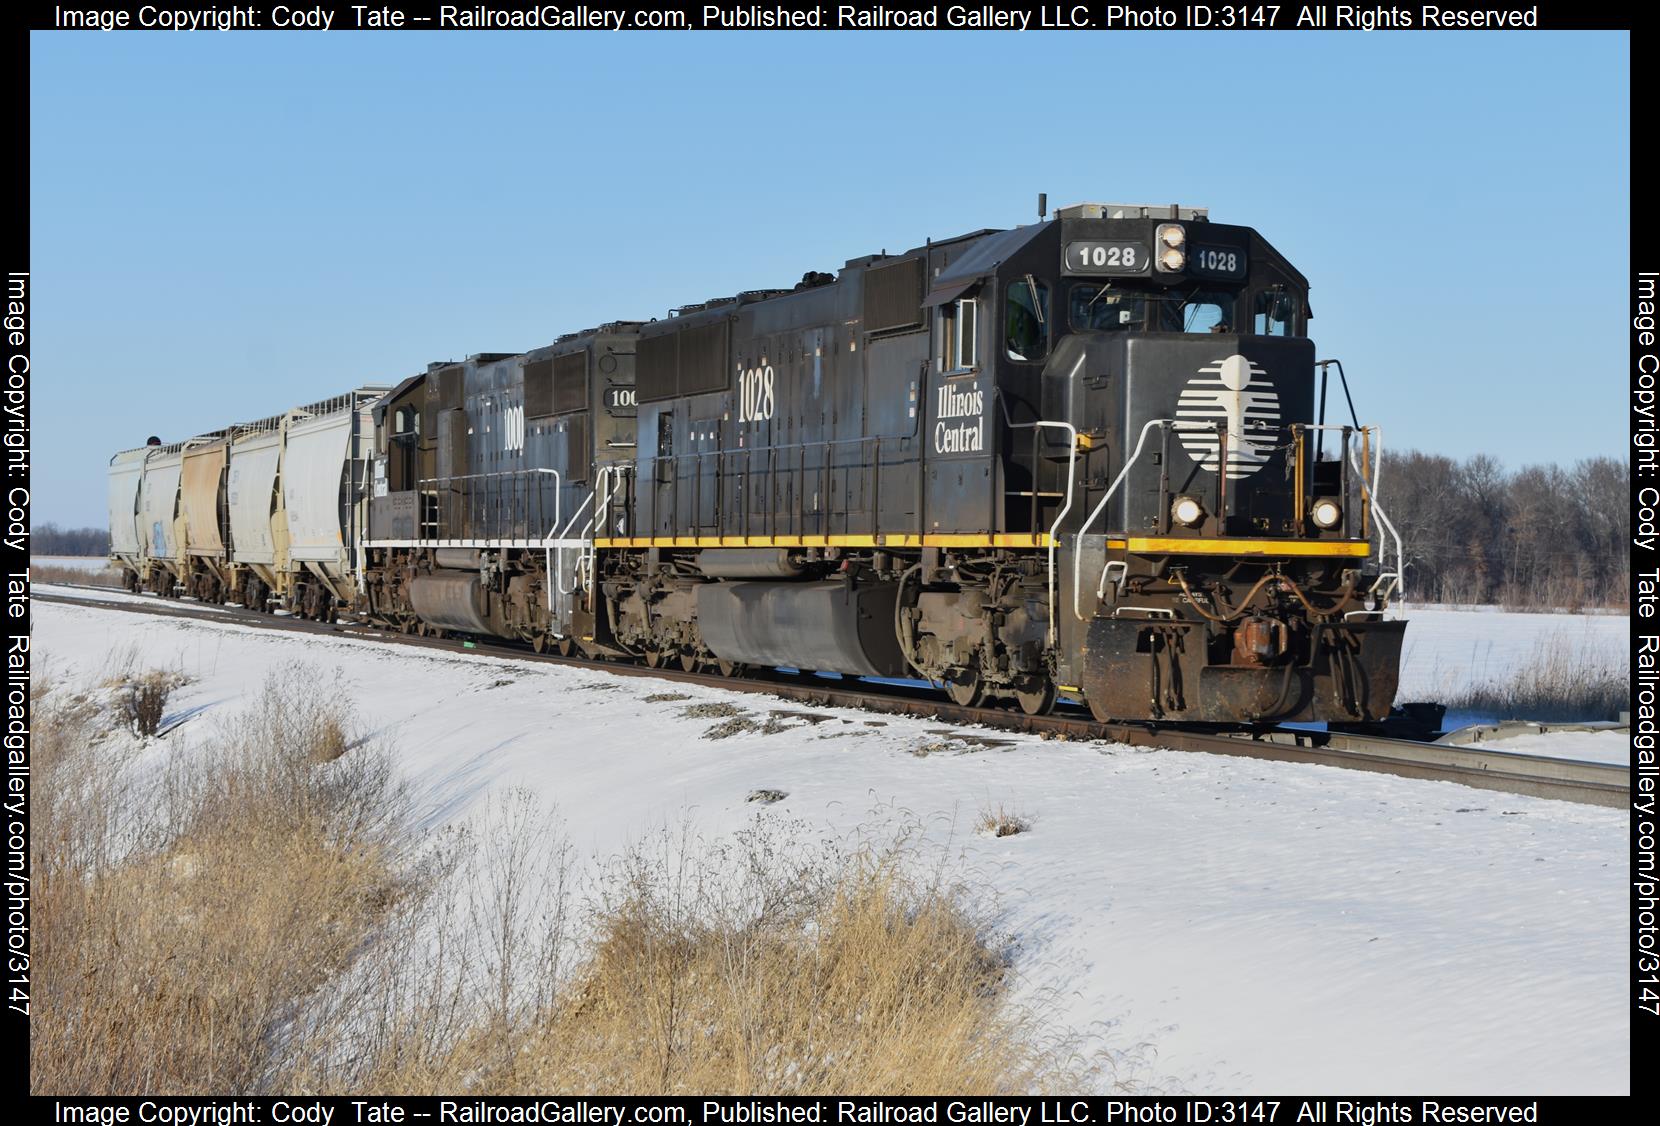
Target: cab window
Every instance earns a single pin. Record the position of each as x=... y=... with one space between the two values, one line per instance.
x=1275 y=313
x=1097 y=308
x=1101 y=308
x=1200 y=311
x=959 y=325
x=1026 y=332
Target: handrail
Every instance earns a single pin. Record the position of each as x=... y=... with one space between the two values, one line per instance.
x=1095 y=514
x=1071 y=480
x=1369 y=490
x=608 y=479
x=1369 y=495
x=556 y=566
x=436 y=485
x=477 y=476
x=822 y=472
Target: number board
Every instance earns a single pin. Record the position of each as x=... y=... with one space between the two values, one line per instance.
x=1217 y=262
x=1106 y=258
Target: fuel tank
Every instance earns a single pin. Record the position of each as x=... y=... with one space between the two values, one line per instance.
x=451 y=600
x=822 y=626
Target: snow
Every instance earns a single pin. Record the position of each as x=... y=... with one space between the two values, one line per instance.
x=112 y=594
x=1586 y=746
x=72 y=562
x=1448 y=650
x=1217 y=924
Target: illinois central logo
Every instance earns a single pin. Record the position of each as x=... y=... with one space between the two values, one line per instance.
x=1237 y=393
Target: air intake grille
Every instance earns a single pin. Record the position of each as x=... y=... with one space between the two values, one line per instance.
x=655 y=362
x=703 y=359
x=539 y=389
x=576 y=447
x=893 y=296
x=570 y=382
x=689 y=362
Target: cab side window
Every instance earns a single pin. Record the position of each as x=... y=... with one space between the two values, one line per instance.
x=1275 y=313
x=1026 y=317
x=959 y=325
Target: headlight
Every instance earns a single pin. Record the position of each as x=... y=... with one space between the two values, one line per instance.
x=1172 y=260
x=1327 y=512
x=1172 y=234
x=1187 y=511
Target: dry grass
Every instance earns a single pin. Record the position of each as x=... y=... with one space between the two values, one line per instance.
x=143 y=701
x=180 y=935
x=813 y=975
x=1000 y=822
x=260 y=919
x=74 y=576
x=1562 y=682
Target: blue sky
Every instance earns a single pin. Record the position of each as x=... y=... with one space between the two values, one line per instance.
x=226 y=225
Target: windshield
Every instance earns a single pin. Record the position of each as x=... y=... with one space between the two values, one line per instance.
x=1117 y=308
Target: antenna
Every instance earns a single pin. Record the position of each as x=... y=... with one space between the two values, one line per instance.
x=1043 y=206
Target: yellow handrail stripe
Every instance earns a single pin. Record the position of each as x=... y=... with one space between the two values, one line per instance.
x=1178 y=545
x=897 y=540
x=1141 y=545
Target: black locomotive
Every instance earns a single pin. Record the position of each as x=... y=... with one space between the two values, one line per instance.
x=1088 y=456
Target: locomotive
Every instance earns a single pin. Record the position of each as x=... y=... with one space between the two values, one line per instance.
x=1083 y=458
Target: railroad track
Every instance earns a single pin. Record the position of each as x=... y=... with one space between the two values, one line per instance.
x=1591 y=783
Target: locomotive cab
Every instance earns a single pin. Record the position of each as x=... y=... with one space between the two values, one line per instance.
x=1217 y=531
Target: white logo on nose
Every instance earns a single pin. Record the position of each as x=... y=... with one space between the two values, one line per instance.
x=1236 y=392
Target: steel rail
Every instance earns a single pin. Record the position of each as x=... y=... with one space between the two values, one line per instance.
x=1590 y=783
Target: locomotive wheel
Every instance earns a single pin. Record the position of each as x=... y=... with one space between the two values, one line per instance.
x=654 y=658
x=1036 y=695
x=539 y=642
x=729 y=668
x=688 y=661
x=566 y=647
x=964 y=688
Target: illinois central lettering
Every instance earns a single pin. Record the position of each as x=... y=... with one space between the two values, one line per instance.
x=955 y=402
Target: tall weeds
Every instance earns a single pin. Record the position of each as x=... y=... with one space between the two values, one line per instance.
x=1562 y=681
x=184 y=913
x=260 y=916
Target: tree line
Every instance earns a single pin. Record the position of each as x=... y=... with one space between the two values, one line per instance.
x=49 y=539
x=1539 y=537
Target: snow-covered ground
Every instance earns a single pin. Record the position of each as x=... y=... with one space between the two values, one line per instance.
x=1601 y=746
x=1448 y=650
x=1218 y=923
x=73 y=562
